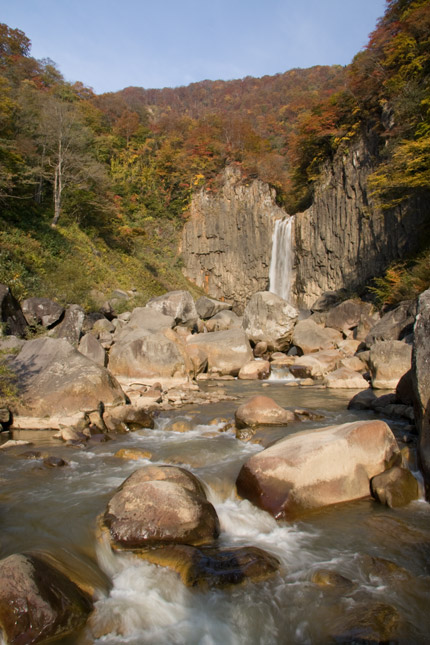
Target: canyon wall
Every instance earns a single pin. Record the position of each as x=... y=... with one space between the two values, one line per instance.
x=343 y=240
x=227 y=240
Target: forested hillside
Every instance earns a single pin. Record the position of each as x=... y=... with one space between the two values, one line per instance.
x=94 y=189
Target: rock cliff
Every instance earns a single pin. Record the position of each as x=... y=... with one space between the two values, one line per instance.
x=343 y=240
x=227 y=240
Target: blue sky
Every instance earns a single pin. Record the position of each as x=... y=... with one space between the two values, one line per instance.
x=111 y=44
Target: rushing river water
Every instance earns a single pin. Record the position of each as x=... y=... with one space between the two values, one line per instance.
x=55 y=510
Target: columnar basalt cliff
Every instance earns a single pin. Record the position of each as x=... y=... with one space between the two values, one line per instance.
x=343 y=240
x=227 y=240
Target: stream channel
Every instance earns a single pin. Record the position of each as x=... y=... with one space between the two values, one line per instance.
x=55 y=511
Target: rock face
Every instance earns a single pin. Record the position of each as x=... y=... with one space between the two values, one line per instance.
x=269 y=318
x=161 y=505
x=421 y=383
x=54 y=378
x=227 y=240
x=37 y=601
x=316 y=468
x=342 y=240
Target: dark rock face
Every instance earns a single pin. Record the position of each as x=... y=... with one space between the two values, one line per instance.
x=395 y=487
x=37 y=601
x=11 y=313
x=227 y=240
x=421 y=383
x=342 y=240
x=208 y=568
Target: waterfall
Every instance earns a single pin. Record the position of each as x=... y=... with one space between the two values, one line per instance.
x=281 y=263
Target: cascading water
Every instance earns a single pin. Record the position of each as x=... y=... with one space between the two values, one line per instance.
x=281 y=263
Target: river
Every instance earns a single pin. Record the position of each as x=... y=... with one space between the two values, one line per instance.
x=138 y=603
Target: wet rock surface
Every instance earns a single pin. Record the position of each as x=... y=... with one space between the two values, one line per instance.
x=37 y=601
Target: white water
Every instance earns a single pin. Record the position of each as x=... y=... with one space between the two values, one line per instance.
x=281 y=263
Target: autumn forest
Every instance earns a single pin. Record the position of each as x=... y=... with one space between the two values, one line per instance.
x=94 y=189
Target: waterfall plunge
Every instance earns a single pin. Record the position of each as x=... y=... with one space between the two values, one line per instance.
x=281 y=263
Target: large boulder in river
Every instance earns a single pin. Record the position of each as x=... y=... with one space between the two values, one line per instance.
x=178 y=304
x=262 y=411
x=160 y=505
x=310 y=337
x=389 y=360
x=140 y=354
x=227 y=351
x=421 y=383
x=54 y=378
x=316 y=468
x=269 y=318
x=11 y=313
x=37 y=601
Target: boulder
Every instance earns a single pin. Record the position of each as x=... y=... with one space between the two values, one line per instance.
x=54 y=378
x=269 y=318
x=262 y=410
x=42 y=311
x=198 y=357
x=148 y=319
x=11 y=313
x=160 y=505
x=11 y=344
x=327 y=300
x=393 y=325
x=353 y=363
x=208 y=307
x=255 y=370
x=102 y=326
x=345 y=378
x=177 y=304
x=140 y=354
x=366 y=623
x=317 y=468
x=421 y=384
x=227 y=351
x=363 y=400
x=213 y=568
x=90 y=347
x=347 y=315
x=127 y=417
x=395 y=487
x=405 y=389
x=310 y=337
x=389 y=360
x=224 y=320
x=320 y=363
x=37 y=601
x=71 y=326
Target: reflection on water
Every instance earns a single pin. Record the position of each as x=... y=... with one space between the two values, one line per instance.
x=55 y=510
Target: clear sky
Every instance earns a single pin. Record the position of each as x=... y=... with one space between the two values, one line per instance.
x=111 y=44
